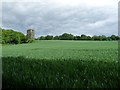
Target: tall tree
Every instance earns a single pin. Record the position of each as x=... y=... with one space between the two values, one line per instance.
x=49 y=37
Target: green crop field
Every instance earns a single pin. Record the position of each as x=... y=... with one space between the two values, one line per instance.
x=54 y=63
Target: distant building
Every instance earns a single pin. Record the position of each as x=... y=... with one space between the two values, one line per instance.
x=30 y=34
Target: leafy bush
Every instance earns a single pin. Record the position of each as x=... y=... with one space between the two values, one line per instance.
x=12 y=37
x=30 y=40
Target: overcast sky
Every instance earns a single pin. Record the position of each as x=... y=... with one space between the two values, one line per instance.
x=55 y=17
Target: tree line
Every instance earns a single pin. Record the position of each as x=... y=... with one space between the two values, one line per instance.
x=10 y=36
x=67 y=36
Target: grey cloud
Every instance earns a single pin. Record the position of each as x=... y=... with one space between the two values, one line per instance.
x=46 y=19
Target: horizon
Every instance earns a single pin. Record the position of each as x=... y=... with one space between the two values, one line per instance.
x=60 y=34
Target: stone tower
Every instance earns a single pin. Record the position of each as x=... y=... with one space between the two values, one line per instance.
x=30 y=34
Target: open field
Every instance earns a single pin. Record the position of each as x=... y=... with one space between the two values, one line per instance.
x=83 y=50
x=61 y=64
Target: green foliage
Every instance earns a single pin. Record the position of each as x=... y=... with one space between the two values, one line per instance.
x=56 y=38
x=89 y=38
x=95 y=37
x=48 y=37
x=0 y=35
x=67 y=36
x=22 y=37
x=114 y=37
x=77 y=38
x=103 y=37
x=12 y=37
x=30 y=40
x=83 y=37
x=42 y=38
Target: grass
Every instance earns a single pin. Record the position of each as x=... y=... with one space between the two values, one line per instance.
x=61 y=64
x=97 y=50
x=26 y=73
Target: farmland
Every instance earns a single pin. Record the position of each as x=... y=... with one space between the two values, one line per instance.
x=54 y=63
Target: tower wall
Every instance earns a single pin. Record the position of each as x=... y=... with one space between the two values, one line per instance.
x=30 y=34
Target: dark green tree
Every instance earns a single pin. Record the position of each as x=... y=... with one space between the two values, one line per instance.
x=113 y=37
x=12 y=37
x=67 y=36
x=42 y=38
x=89 y=38
x=76 y=37
x=49 y=37
x=95 y=37
x=56 y=38
x=83 y=37
x=102 y=38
